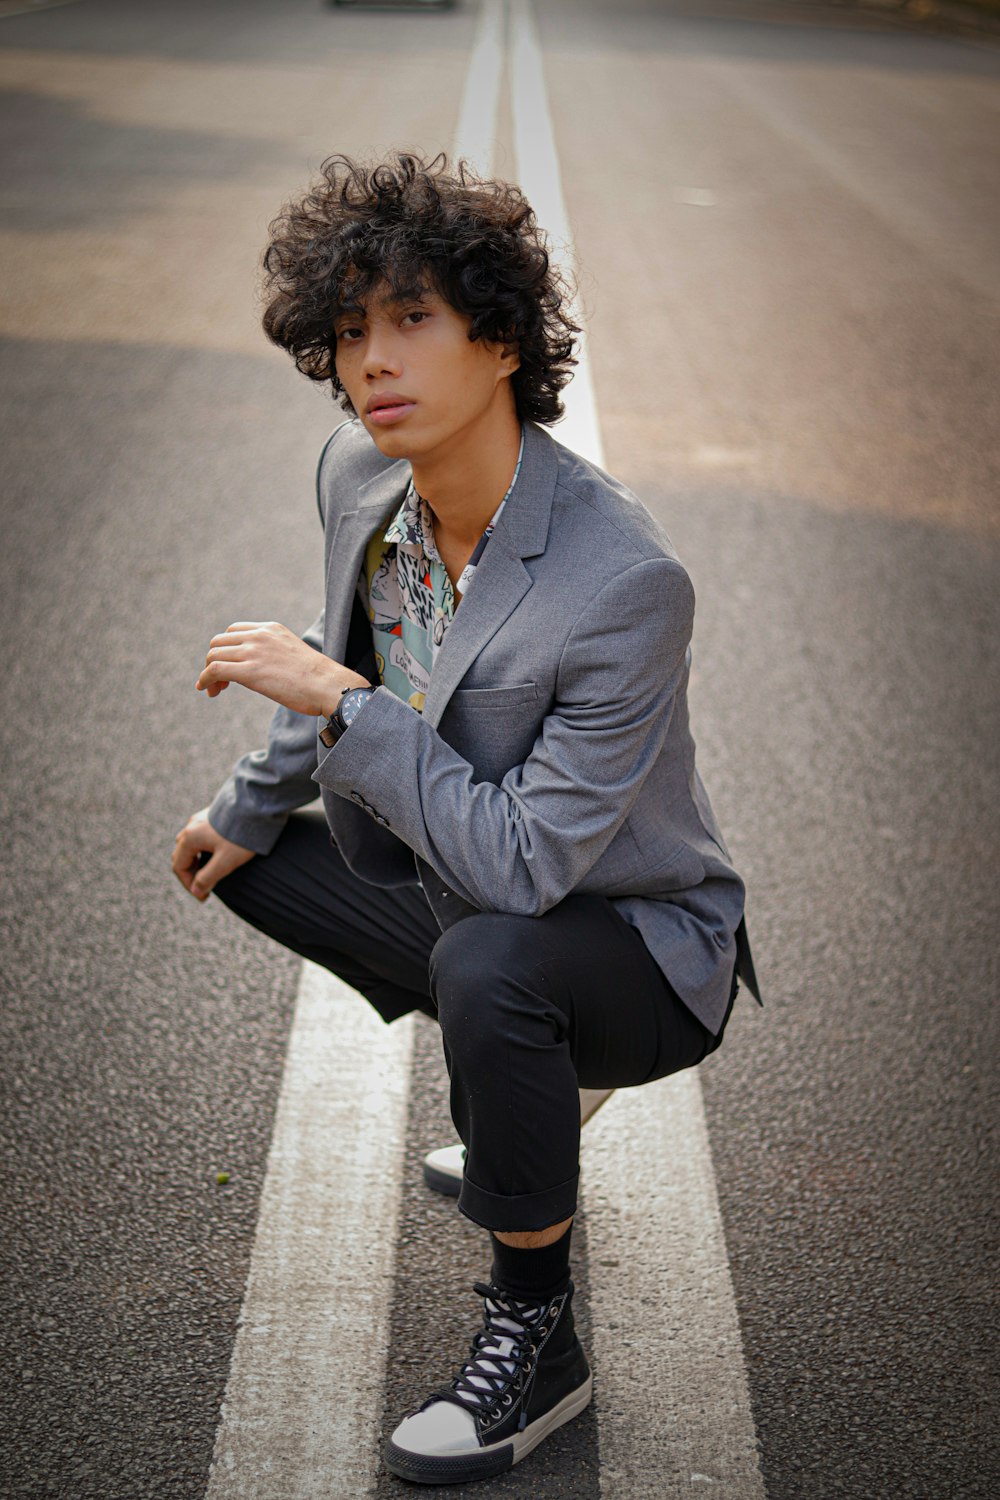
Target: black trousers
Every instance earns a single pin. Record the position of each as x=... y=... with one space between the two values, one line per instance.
x=530 y=1008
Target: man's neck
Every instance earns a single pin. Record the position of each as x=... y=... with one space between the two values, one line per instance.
x=464 y=486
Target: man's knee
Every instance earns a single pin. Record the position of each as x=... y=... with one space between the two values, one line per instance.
x=483 y=971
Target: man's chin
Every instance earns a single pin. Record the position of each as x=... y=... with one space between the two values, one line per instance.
x=394 y=442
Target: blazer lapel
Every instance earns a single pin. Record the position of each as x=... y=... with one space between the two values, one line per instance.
x=501 y=580
x=378 y=500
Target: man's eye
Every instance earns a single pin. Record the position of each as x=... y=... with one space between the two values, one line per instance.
x=347 y=334
x=418 y=315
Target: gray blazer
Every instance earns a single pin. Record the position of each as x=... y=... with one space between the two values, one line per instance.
x=553 y=754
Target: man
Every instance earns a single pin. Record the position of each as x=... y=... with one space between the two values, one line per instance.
x=493 y=708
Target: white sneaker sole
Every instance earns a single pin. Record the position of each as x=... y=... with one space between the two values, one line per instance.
x=484 y=1463
x=443 y=1167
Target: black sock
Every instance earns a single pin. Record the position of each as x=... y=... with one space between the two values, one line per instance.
x=532 y=1275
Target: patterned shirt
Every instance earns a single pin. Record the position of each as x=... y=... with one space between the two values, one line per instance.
x=409 y=597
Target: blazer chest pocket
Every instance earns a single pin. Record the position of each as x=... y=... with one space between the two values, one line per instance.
x=475 y=700
x=493 y=728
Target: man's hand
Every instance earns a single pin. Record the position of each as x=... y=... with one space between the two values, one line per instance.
x=272 y=660
x=196 y=838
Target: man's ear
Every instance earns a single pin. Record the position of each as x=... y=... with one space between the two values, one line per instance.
x=510 y=358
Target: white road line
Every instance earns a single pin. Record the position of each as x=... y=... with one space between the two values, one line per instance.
x=673 y=1407
x=538 y=174
x=303 y=1403
x=537 y=170
x=475 y=135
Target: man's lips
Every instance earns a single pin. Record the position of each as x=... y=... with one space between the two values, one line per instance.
x=389 y=407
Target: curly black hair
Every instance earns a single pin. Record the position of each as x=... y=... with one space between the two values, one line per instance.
x=404 y=222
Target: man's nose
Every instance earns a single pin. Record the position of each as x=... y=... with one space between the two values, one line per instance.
x=381 y=354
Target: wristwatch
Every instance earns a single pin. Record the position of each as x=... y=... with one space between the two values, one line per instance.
x=352 y=701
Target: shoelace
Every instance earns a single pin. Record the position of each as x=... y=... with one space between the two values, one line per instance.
x=501 y=1354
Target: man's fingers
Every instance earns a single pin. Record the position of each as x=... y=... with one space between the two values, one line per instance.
x=185 y=864
x=205 y=877
x=203 y=857
x=220 y=674
x=240 y=628
x=222 y=863
x=234 y=636
x=229 y=653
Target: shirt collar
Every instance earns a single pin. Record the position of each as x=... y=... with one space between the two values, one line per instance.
x=412 y=526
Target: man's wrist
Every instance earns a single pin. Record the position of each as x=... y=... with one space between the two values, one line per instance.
x=341 y=682
x=352 y=701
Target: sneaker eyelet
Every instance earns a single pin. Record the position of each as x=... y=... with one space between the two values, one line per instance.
x=528 y=1367
x=496 y=1414
x=542 y=1331
x=508 y=1400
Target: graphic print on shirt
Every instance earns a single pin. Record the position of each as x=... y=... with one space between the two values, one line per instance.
x=380 y=584
x=408 y=595
x=402 y=659
x=415 y=588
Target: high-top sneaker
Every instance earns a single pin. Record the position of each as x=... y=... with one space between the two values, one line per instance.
x=526 y=1375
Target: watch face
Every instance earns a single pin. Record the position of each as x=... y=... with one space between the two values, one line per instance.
x=352 y=703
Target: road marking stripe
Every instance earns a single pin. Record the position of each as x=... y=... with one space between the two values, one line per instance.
x=475 y=134
x=303 y=1405
x=673 y=1406
x=673 y=1411
x=538 y=174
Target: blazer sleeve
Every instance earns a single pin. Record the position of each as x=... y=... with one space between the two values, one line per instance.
x=252 y=805
x=522 y=845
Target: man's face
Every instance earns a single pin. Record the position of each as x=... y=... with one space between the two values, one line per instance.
x=412 y=374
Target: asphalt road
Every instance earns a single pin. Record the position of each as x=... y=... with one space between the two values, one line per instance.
x=789 y=230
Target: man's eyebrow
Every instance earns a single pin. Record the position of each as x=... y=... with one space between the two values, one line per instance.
x=392 y=300
x=409 y=294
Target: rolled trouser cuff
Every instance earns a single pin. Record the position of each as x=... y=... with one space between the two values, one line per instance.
x=526 y=1211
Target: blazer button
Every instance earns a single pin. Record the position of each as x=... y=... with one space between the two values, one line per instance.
x=357 y=797
x=382 y=822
